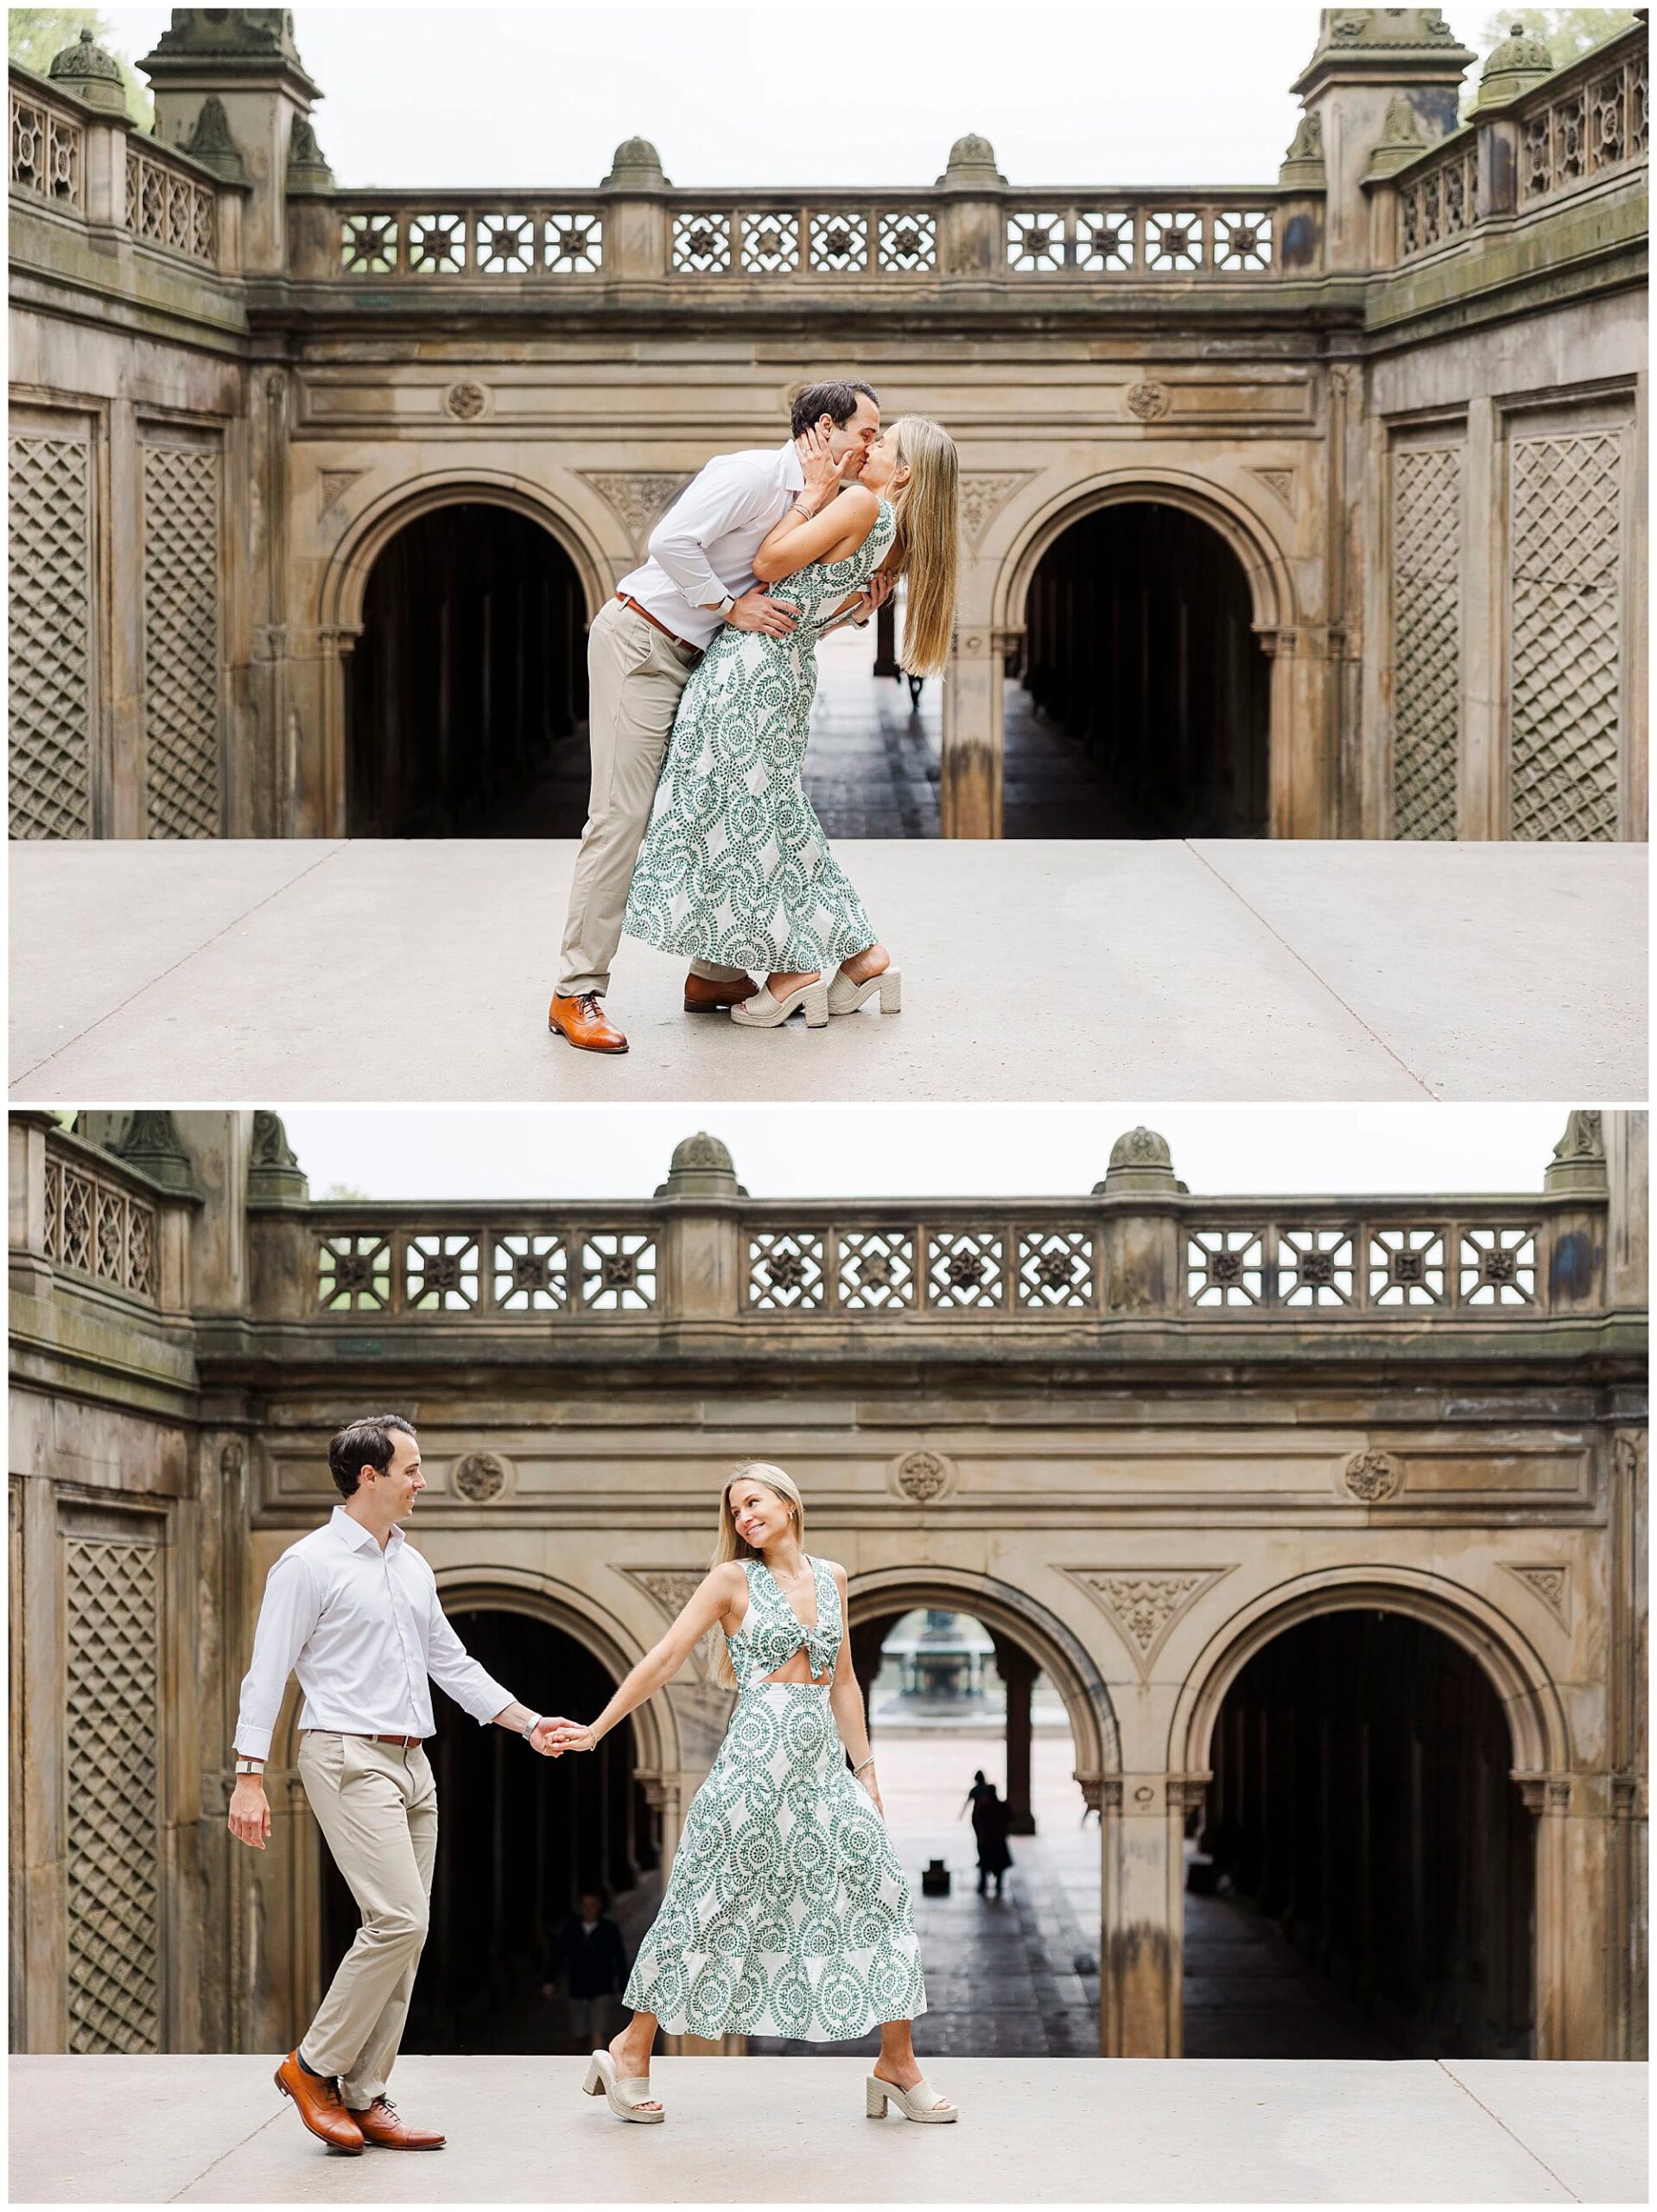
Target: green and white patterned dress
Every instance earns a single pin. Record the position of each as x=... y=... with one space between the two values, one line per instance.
x=787 y=1913
x=734 y=867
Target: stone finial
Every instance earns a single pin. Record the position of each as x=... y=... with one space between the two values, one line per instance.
x=274 y=1174
x=1140 y=1160
x=150 y=1143
x=90 y=75
x=1578 y=1165
x=702 y=1168
x=1402 y=138
x=211 y=144
x=1411 y=44
x=972 y=162
x=1521 y=61
x=308 y=169
x=637 y=167
x=1303 y=164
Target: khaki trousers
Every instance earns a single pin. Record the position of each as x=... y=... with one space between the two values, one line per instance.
x=377 y=1807
x=634 y=677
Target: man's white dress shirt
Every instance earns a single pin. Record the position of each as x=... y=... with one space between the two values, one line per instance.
x=362 y=1628
x=704 y=545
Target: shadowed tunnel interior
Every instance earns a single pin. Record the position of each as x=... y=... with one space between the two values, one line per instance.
x=1143 y=707
x=518 y=1835
x=467 y=691
x=1363 y=1879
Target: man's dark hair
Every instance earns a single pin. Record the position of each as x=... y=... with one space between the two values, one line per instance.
x=837 y=401
x=364 y=1443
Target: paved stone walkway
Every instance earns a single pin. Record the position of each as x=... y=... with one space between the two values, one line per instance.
x=142 y=973
x=752 y=2131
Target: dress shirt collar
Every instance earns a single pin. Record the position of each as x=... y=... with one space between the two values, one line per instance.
x=793 y=472
x=352 y=1531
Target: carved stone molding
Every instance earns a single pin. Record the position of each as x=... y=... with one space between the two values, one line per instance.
x=481 y=1477
x=1628 y=1447
x=640 y=496
x=1372 y=1476
x=1550 y=1582
x=1145 y=1606
x=1544 y=1793
x=1279 y=482
x=982 y=497
x=1186 y=1792
x=1148 y=400
x=466 y=400
x=332 y=487
x=923 y=1478
x=671 y=1589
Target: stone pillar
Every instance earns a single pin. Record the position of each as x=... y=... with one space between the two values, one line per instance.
x=636 y=230
x=702 y=1259
x=1142 y=1915
x=1018 y=1672
x=969 y=787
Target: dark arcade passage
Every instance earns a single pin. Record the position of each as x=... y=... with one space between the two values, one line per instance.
x=467 y=691
x=1362 y=1881
x=518 y=1837
x=1143 y=706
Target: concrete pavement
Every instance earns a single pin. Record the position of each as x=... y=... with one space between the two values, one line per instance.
x=146 y=973
x=792 y=2131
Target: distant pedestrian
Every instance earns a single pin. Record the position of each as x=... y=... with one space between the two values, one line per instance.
x=589 y=1958
x=990 y=1823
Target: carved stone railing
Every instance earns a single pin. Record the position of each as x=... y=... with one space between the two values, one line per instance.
x=99 y=1222
x=807 y=241
x=87 y=162
x=48 y=147
x=1586 y=121
x=1116 y=1257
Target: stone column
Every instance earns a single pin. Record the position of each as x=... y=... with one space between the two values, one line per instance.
x=1142 y=1915
x=1018 y=1672
x=969 y=788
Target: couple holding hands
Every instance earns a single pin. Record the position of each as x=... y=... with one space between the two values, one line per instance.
x=700 y=838
x=786 y=1912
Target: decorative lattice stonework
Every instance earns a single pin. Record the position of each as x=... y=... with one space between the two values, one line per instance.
x=1564 y=679
x=965 y=1267
x=1498 y=1267
x=1426 y=551
x=1315 y=1267
x=785 y=1271
x=1225 y=1267
x=1407 y=1268
x=532 y=1273
x=1056 y=1267
x=701 y=244
x=353 y=1274
x=876 y=1269
x=618 y=1272
x=181 y=634
x=100 y=1229
x=1145 y=1606
x=440 y=1273
x=47 y=151
x=49 y=615
x=111 y=1798
x=168 y=207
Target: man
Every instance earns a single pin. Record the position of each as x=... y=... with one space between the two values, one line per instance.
x=588 y=1956
x=352 y=1609
x=642 y=648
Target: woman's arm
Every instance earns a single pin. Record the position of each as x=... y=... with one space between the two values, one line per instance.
x=820 y=526
x=707 y=1607
x=846 y=1699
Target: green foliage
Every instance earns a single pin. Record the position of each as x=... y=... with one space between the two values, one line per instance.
x=37 y=34
x=1566 y=32
x=347 y=1190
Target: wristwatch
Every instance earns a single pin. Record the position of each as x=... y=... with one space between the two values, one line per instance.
x=726 y=608
x=534 y=1722
x=250 y=1766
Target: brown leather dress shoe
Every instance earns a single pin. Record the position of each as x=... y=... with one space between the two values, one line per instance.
x=382 y=2124
x=704 y=995
x=320 y=2107
x=582 y=1021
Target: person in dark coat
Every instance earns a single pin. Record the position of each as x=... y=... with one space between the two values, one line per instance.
x=588 y=1956
x=990 y=1819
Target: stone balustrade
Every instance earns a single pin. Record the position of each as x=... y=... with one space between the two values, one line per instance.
x=1584 y=122
x=1115 y=1258
x=99 y=1221
x=87 y=163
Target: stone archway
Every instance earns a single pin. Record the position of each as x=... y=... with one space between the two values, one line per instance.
x=1039 y=1921
x=1501 y=1658
x=452 y=621
x=1280 y=782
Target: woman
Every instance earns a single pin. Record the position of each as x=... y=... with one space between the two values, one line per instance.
x=787 y=1913
x=990 y=1828
x=734 y=867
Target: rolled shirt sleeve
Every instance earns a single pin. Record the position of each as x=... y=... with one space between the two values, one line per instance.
x=452 y=1667
x=730 y=490
x=288 y=1613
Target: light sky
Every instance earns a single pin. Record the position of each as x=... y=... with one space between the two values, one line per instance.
x=1109 y=94
x=571 y=1151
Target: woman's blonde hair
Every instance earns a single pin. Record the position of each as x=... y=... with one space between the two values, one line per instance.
x=924 y=552
x=732 y=1546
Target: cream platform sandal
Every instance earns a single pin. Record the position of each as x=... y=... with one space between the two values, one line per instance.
x=845 y=996
x=764 y=1012
x=923 y=2102
x=624 y=2096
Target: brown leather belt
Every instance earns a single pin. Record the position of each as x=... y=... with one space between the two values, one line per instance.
x=407 y=1742
x=683 y=643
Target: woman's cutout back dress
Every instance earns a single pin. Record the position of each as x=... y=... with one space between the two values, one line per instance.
x=734 y=867
x=787 y=1913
